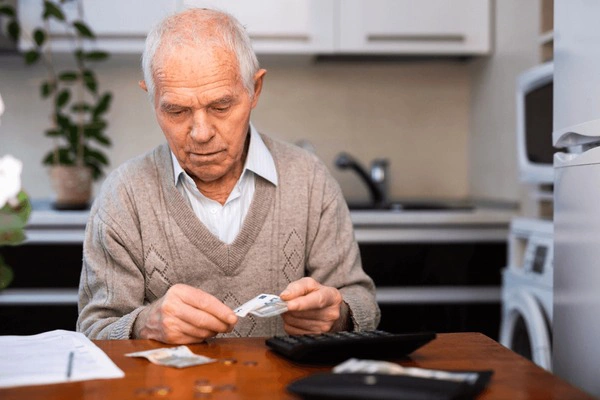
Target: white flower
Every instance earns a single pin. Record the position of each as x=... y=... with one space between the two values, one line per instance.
x=10 y=180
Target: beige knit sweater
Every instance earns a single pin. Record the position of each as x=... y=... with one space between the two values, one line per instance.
x=142 y=237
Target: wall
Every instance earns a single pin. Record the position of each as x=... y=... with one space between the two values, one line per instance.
x=447 y=126
x=492 y=150
x=415 y=113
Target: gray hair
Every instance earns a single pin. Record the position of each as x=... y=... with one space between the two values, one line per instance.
x=201 y=27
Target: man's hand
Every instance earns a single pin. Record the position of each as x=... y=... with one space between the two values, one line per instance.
x=184 y=315
x=313 y=308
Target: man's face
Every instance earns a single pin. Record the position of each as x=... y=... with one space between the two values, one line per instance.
x=204 y=109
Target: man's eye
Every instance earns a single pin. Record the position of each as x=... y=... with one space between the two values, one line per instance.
x=175 y=112
x=221 y=109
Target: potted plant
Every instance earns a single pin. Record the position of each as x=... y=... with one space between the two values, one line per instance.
x=78 y=106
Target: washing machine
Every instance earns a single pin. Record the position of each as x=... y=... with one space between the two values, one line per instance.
x=526 y=325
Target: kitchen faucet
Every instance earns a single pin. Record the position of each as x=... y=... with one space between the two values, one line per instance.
x=376 y=179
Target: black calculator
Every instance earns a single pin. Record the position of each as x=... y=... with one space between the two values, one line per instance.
x=339 y=346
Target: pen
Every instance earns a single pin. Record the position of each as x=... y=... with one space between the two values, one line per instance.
x=70 y=364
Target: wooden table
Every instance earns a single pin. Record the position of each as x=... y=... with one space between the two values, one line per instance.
x=248 y=370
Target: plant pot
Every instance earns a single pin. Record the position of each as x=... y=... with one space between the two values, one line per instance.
x=72 y=185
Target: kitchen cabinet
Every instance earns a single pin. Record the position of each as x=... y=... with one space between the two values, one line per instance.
x=47 y=266
x=457 y=27
x=282 y=26
x=120 y=26
x=434 y=270
x=405 y=27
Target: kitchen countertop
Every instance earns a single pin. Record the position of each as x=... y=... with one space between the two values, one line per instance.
x=390 y=218
x=481 y=223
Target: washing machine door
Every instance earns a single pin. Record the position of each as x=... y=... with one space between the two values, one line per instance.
x=525 y=329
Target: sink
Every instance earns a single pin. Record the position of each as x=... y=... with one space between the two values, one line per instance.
x=413 y=205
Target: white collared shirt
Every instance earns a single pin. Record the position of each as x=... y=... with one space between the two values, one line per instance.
x=225 y=221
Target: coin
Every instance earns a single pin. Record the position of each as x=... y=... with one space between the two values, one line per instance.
x=205 y=388
x=162 y=390
x=250 y=363
x=229 y=361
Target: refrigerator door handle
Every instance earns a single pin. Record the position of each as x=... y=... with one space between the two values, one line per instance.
x=576 y=135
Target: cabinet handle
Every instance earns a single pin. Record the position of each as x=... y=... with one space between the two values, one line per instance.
x=287 y=38
x=416 y=37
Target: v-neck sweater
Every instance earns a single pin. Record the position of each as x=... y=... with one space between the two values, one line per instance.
x=142 y=237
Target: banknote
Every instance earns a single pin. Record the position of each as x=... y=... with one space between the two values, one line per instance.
x=264 y=305
x=354 y=365
x=178 y=357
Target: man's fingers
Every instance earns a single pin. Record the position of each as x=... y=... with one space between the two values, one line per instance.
x=316 y=300
x=206 y=302
x=299 y=288
x=328 y=314
x=185 y=333
x=303 y=326
x=201 y=320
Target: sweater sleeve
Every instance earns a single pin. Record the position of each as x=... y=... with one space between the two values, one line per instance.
x=111 y=288
x=334 y=257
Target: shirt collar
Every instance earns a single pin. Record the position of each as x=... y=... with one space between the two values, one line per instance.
x=258 y=160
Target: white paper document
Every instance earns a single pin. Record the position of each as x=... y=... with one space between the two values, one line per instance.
x=52 y=357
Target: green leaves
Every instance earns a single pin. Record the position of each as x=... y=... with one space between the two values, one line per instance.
x=62 y=98
x=31 y=56
x=68 y=76
x=103 y=105
x=7 y=10
x=83 y=29
x=13 y=220
x=78 y=105
x=6 y=274
x=51 y=10
x=96 y=55
x=14 y=30
x=39 y=36
x=96 y=160
x=65 y=157
x=47 y=88
x=81 y=108
x=89 y=80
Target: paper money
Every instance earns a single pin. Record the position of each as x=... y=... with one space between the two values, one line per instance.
x=354 y=365
x=178 y=357
x=263 y=305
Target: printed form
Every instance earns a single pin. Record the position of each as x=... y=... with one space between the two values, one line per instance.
x=53 y=357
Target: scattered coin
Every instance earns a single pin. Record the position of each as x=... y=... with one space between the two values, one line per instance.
x=205 y=388
x=229 y=361
x=251 y=363
x=162 y=390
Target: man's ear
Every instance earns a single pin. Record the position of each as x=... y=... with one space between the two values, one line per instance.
x=142 y=84
x=258 y=83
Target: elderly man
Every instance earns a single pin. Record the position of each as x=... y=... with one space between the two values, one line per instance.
x=180 y=236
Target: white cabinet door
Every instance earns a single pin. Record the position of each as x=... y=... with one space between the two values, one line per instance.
x=452 y=27
x=282 y=26
x=120 y=25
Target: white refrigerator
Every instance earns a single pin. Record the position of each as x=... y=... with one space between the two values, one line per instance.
x=576 y=127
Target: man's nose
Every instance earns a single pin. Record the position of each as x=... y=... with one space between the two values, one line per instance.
x=202 y=129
